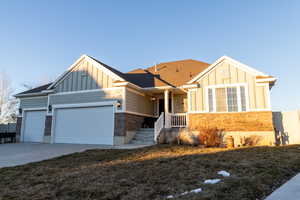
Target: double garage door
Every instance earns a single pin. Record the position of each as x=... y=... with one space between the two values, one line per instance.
x=78 y=125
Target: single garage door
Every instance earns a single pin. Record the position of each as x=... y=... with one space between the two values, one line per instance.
x=85 y=125
x=34 y=126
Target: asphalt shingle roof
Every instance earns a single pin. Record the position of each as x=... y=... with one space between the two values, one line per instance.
x=174 y=74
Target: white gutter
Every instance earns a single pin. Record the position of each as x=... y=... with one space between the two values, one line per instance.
x=42 y=93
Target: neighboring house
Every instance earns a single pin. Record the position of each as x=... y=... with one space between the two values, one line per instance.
x=92 y=103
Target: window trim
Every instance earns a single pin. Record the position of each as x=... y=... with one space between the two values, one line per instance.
x=238 y=85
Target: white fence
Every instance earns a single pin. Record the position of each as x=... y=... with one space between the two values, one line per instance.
x=179 y=120
x=287 y=125
x=158 y=125
x=169 y=120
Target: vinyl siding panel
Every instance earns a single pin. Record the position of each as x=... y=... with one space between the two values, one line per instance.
x=87 y=97
x=227 y=73
x=84 y=76
x=193 y=100
x=138 y=103
x=260 y=97
x=35 y=102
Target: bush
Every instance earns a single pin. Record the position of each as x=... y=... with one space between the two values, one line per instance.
x=187 y=137
x=210 y=137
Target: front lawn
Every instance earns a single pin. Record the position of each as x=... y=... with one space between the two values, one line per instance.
x=153 y=173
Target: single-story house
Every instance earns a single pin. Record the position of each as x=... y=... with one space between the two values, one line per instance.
x=93 y=103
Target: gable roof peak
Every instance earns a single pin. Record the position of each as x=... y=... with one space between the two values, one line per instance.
x=227 y=58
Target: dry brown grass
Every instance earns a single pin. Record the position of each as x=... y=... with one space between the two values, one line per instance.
x=153 y=173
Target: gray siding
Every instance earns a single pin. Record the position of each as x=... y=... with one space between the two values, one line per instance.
x=34 y=102
x=138 y=103
x=227 y=73
x=87 y=97
x=85 y=76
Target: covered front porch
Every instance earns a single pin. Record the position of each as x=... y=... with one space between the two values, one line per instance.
x=170 y=106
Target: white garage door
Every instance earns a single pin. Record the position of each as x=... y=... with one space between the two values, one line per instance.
x=34 y=126
x=88 y=125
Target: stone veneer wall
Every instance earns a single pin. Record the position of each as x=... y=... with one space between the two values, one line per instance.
x=127 y=122
x=242 y=121
x=126 y=126
x=48 y=124
x=18 y=128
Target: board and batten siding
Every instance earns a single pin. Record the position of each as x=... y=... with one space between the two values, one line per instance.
x=87 y=97
x=84 y=76
x=34 y=102
x=226 y=73
x=180 y=103
x=139 y=103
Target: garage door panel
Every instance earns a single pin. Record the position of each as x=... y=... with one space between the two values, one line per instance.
x=34 y=126
x=90 y=125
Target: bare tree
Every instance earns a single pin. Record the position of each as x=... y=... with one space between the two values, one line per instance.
x=8 y=103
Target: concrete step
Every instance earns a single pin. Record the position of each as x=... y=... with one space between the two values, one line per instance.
x=145 y=131
x=141 y=142
x=151 y=129
x=144 y=136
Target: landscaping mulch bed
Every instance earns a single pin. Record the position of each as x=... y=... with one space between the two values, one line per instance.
x=153 y=173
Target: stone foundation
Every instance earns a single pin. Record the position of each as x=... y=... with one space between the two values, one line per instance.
x=126 y=126
x=48 y=126
x=18 y=129
x=255 y=138
x=253 y=128
x=242 y=121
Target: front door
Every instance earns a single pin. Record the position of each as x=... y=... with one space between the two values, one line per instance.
x=161 y=106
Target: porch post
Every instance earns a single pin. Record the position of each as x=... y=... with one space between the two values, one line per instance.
x=166 y=101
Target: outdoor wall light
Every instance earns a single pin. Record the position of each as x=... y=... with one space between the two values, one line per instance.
x=20 y=111
x=152 y=98
x=118 y=104
x=50 y=108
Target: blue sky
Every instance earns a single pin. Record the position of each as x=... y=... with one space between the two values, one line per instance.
x=41 y=39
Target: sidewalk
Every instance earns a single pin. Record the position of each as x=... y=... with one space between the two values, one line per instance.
x=288 y=191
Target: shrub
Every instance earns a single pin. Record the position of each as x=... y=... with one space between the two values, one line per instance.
x=210 y=137
x=167 y=136
x=188 y=137
x=251 y=140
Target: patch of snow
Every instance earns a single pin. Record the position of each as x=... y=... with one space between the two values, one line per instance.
x=224 y=173
x=212 y=181
x=184 y=193
x=196 y=190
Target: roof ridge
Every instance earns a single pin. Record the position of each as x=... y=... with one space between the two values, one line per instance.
x=182 y=60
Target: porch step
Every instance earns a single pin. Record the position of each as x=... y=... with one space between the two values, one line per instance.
x=146 y=129
x=144 y=136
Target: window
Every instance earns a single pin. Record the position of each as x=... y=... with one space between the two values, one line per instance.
x=243 y=98
x=221 y=100
x=210 y=100
x=227 y=99
x=232 y=99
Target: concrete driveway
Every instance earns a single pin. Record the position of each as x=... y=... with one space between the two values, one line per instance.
x=22 y=153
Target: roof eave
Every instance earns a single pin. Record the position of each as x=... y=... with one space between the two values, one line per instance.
x=42 y=93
